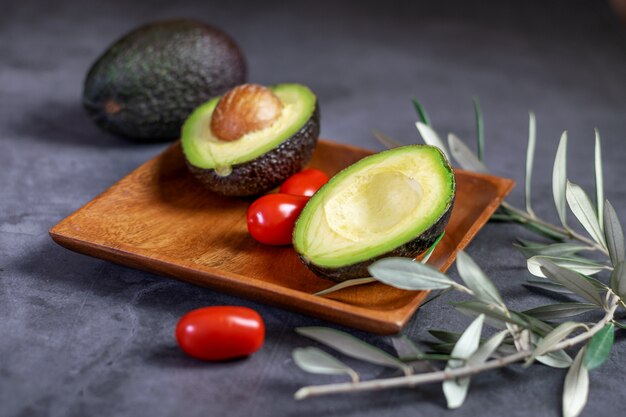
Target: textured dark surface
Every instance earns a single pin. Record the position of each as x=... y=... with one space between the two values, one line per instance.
x=268 y=170
x=83 y=337
x=146 y=84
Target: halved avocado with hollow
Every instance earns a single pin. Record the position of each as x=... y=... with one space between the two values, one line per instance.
x=394 y=203
x=251 y=139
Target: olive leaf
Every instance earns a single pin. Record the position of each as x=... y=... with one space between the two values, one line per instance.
x=614 y=234
x=408 y=275
x=618 y=280
x=421 y=112
x=580 y=204
x=556 y=359
x=455 y=390
x=346 y=284
x=530 y=157
x=529 y=249
x=464 y=156
x=572 y=280
x=352 y=346
x=476 y=280
x=405 y=348
x=559 y=179
x=554 y=337
x=576 y=387
x=386 y=140
x=432 y=248
x=431 y=137
x=480 y=129
x=599 y=347
x=548 y=286
x=473 y=308
x=580 y=265
x=560 y=310
x=599 y=180
x=445 y=336
x=487 y=349
x=316 y=361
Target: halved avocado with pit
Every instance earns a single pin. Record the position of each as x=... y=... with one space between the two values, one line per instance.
x=394 y=203
x=261 y=158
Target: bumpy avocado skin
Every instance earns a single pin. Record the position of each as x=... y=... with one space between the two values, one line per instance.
x=268 y=170
x=410 y=250
x=146 y=84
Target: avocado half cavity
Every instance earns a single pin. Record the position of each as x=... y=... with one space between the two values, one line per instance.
x=251 y=139
x=394 y=203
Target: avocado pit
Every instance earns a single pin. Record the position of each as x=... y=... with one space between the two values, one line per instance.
x=245 y=109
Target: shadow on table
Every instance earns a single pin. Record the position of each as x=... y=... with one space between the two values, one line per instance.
x=64 y=123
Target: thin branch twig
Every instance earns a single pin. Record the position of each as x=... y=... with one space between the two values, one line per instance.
x=467 y=370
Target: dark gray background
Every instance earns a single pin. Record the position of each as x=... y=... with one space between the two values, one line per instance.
x=80 y=336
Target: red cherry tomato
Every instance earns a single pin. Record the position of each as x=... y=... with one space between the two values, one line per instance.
x=305 y=182
x=220 y=332
x=272 y=217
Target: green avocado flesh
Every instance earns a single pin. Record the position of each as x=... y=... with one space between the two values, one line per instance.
x=395 y=202
x=203 y=150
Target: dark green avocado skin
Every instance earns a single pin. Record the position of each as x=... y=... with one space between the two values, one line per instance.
x=409 y=250
x=146 y=84
x=268 y=170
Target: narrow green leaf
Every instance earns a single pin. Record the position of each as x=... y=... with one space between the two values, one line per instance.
x=599 y=180
x=480 y=129
x=445 y=336
x=560 y=310
x=473 y=308
x=432 y=248
x=405 y=348
x=580 y=204
x=548 y=286
x=421 y=112
x=580 y=265
x=619 y=325
x=539 y=327
x=351 y=346
x=576 y=387
x=554 y=249
x=476 y=280
x=386 y=140
x=408 y=275
x=346 y=284
x=487 y=349
x=530 y=157
x=464 y=156
x=455 y=390
x=555 y=336
x=556 y=359
x=614 y=234
x=542 y=230
x=316 y=361
x=559 y=179
x=534 y=226
x=618 y=280
x=572 y=280
x=599 y=347
x=431 y=137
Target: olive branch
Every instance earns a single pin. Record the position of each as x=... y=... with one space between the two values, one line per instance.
x=541 y=334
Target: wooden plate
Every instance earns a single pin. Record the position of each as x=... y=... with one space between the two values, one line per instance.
x=158 y=218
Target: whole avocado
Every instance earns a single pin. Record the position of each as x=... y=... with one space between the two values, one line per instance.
x=145 y=85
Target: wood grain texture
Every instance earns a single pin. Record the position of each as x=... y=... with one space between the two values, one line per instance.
x=159 y=219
